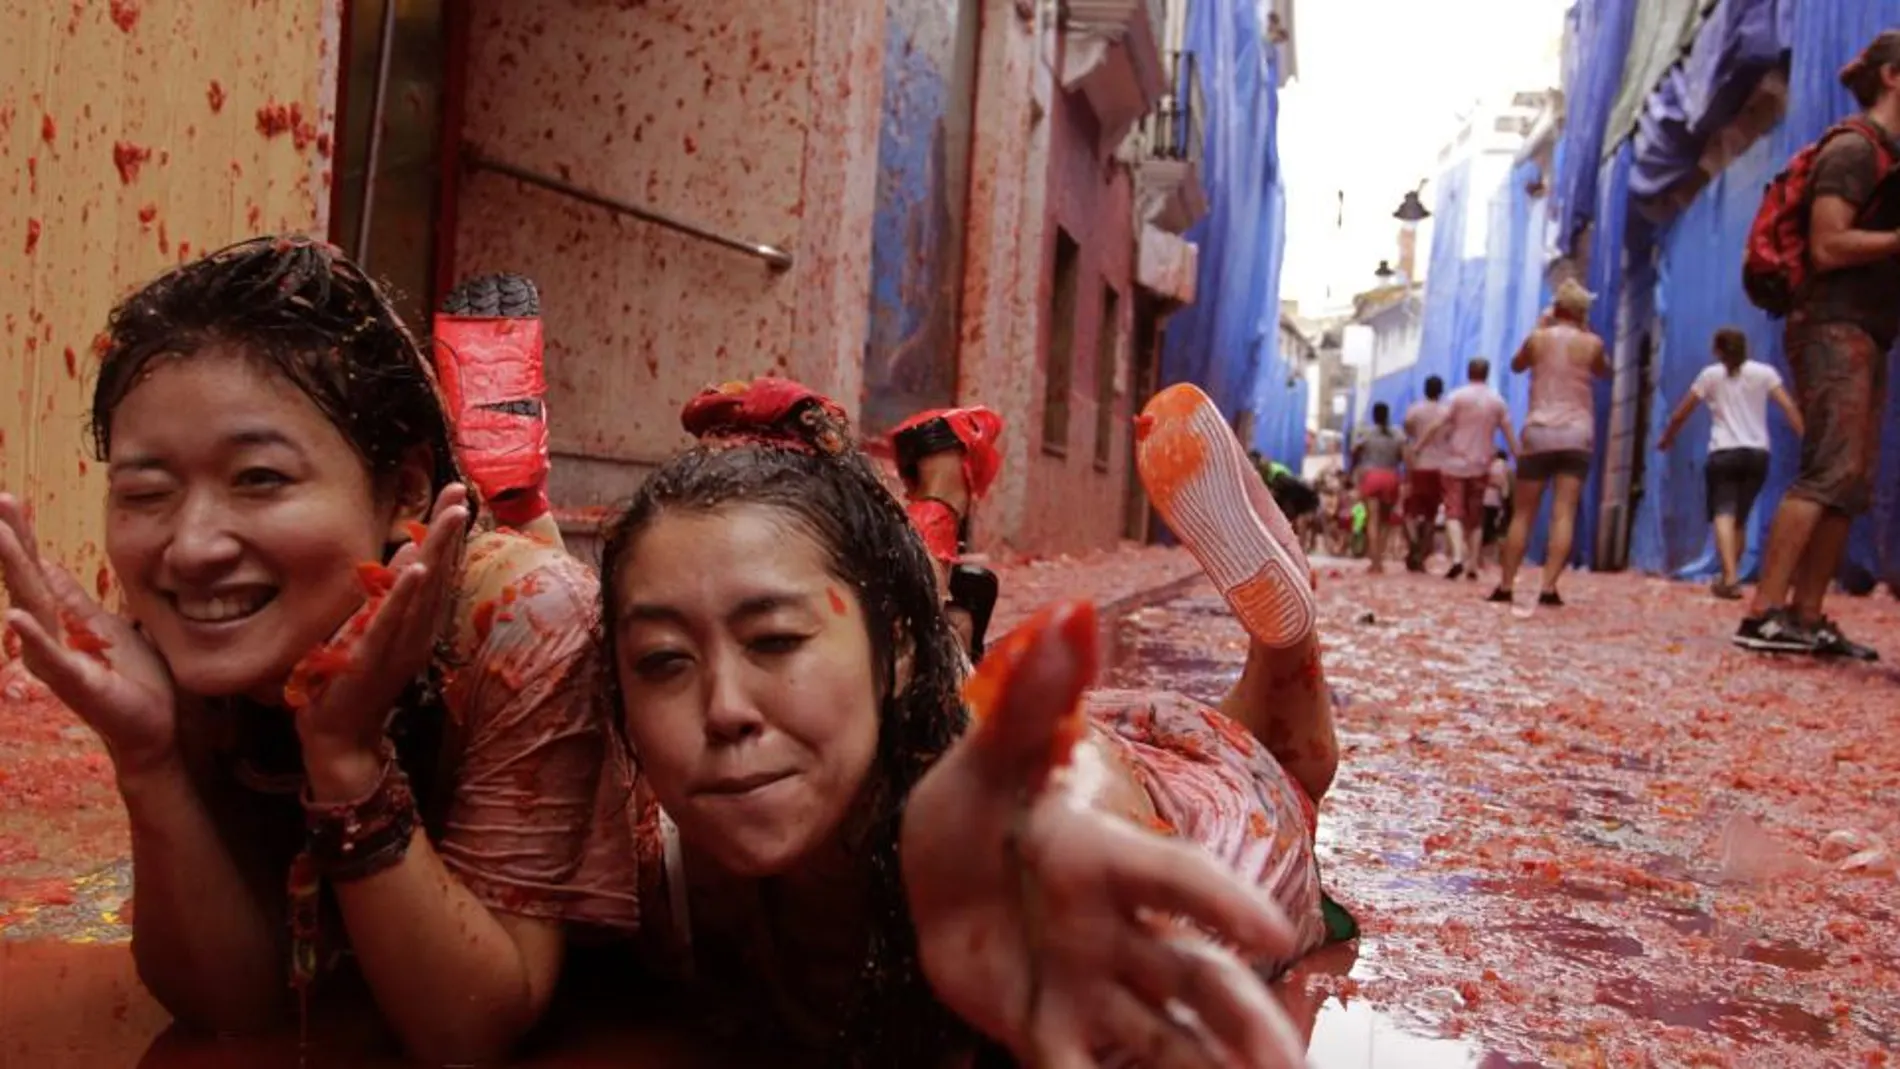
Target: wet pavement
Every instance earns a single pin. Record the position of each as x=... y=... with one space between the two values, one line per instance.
x=1598 y=836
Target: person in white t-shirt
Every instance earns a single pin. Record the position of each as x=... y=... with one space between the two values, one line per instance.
x=1737 y=391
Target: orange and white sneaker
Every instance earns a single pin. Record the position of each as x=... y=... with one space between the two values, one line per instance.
x=1202 y=483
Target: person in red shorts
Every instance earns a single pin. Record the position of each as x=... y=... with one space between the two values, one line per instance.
x=1376 y=458
x=1474 y=416
x=1837 y=340
x=1424 y=479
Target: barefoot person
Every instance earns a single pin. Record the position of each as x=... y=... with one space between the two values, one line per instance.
x=1564 y=358
x=1376 y=458
x=1475 y=416
x=829 y=860
x=1737 y=391
x=1838 y=335
x=329 y=692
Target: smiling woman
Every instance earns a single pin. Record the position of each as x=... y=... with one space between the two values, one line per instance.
x=332 y=685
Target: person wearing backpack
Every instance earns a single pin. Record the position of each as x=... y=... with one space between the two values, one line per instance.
x=1825 y=252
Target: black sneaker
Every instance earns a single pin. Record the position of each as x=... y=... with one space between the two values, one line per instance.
x=1775 y=632
x=1830 y=642
x=1500 y=596
x=1550 y=600
x=1456 y=571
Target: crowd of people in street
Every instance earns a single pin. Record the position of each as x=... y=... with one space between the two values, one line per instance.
x=1833 y=274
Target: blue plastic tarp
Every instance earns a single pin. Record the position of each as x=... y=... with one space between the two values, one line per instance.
x=1739 y=42
x=1597 y=46
x=1698 y=291
x=1227 y=341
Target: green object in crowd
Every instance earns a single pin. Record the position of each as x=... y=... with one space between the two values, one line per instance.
x=1359 y=518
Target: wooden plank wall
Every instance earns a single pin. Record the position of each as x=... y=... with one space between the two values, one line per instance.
x=135 y=134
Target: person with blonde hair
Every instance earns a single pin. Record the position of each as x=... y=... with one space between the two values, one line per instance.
x=1563 y=356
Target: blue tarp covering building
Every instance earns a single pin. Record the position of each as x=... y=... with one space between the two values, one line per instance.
x=1228 y=341
x=1699 y=288
x=1665 y=257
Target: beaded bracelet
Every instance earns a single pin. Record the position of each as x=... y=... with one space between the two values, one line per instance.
x=355 y=840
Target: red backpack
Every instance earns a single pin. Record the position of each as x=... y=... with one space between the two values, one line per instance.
x=1775 y=266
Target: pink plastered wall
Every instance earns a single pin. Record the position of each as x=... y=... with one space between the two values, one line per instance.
x=753 y=120
x=1035 y=164
x=1076 y=504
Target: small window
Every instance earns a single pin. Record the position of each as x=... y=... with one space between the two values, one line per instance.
x=1060 y=379
x=1107 y=348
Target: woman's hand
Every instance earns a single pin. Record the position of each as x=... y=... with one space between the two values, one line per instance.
x=95 y=662
x=345 y=690
x=1054 y=927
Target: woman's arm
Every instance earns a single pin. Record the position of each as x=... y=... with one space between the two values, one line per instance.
x=461 y=940
x=204 y=942
x=1676 y=420
x=1521 y=360
x=457 y=981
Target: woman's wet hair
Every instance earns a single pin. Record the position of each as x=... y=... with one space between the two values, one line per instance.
x=1861 y=76
x=299 y=309
x=1731 y=346
x=808 y=470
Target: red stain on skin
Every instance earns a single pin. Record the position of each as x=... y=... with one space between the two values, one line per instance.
x=128 y=158
x=215 y=95
x=125 y=14
x=417 y=532
x=32 y=235
x=84 y=639
x=48 y=131
x=72 y=363
x=102 y=583
x=148 y=213
x=314 y=672
x=376 y=579
x=837 y=601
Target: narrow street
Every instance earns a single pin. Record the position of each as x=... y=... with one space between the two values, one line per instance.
x=1595 y=837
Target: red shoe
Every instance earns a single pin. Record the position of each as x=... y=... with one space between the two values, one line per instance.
x=1202 y=483
x=488 y=359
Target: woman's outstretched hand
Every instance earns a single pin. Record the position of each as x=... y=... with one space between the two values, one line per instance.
x=95 y=662
x=1054 y=927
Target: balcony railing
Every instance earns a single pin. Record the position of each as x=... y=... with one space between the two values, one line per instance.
x=1175 y=126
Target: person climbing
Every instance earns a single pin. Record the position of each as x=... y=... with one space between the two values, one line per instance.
x=1424 y=477
x=1563 y=356
x=1376 y=459
x=849 y=850
x=1475 y=415
x=1737 y=391
x=1842 y=322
